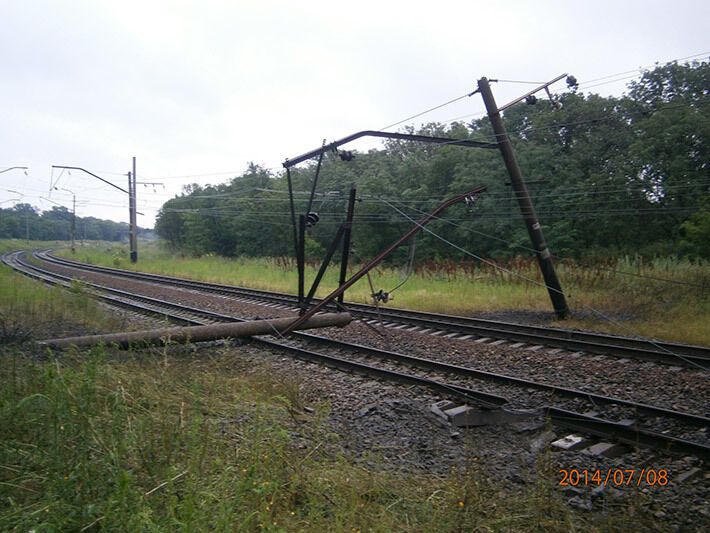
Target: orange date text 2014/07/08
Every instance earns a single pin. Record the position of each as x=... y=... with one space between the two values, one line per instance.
x=618 y=477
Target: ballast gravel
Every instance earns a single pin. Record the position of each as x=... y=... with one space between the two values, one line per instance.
x=383 y=423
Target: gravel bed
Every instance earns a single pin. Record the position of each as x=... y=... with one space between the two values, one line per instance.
x=395 y=422
x=384 y=424
x=529 y=398
x=682 y=389
x=212 y=302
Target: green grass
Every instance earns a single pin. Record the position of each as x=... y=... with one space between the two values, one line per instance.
x=165 y=442
x=186 y=440
x=600 y=296
x=9 y=245
x=30 y=310
x=640 y=303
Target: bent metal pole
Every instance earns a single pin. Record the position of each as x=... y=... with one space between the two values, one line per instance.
x=468 y=196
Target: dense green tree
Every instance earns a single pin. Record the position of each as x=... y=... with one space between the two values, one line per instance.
x=607 y=175
x=696 y=231
x=23 y=220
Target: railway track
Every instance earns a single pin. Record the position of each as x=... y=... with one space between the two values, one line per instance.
x=633 y=423
x=179 y=314
x=583 y=343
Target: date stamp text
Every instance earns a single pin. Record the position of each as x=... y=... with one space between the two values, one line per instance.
x=617 y=477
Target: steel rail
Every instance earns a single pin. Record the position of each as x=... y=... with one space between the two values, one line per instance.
x=587 y=342
x=468 y=372
x=154 y=306
x=628 y=435
x=670 y=354
x=457 y=370
x=483 y=399
x=576 y=421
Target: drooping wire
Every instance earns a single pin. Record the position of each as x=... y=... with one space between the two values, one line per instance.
x=518 y=81
x=409 y=269
x=556 y=257
x=428 y=111
x=540 y=284
x=384 y=334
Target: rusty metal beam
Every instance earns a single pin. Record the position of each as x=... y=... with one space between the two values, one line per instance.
x=468 y=196
x=181 y=335
x=387 y=135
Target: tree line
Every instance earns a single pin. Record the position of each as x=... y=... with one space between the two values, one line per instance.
x=23 y=221
x=608 y=176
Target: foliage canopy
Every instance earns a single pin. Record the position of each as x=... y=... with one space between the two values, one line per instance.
x=608 y=176
x=23 y=221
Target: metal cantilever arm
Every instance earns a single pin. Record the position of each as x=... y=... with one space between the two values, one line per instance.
x=92 y=174
x=387 y=251
x=387 y=135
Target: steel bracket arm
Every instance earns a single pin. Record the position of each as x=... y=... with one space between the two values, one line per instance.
x=468 y=197
x=387 y=135
x=92 y=174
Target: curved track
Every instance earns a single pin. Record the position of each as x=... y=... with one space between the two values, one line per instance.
x=572 y=340
x=614 y=423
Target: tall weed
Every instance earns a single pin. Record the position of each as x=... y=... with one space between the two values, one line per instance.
x=197 y=444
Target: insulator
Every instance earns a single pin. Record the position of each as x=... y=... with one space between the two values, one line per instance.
x=553 y=100
x=572 y=82
x=381 y=296
x=531 y=100
x=470 y=200
x=312 y=219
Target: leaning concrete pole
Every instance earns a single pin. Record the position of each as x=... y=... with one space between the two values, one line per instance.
x=165 y=336
x=542 y=252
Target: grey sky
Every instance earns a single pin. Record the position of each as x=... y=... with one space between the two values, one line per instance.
x=197 y=89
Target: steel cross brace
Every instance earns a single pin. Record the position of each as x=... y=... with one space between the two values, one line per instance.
x=469 y=196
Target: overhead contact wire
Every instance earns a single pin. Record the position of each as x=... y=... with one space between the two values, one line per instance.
x=535 y=282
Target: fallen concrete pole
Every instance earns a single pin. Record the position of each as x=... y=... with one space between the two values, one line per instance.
x=181 y=335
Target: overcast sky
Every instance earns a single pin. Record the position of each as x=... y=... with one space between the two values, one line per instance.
x=195 y=90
